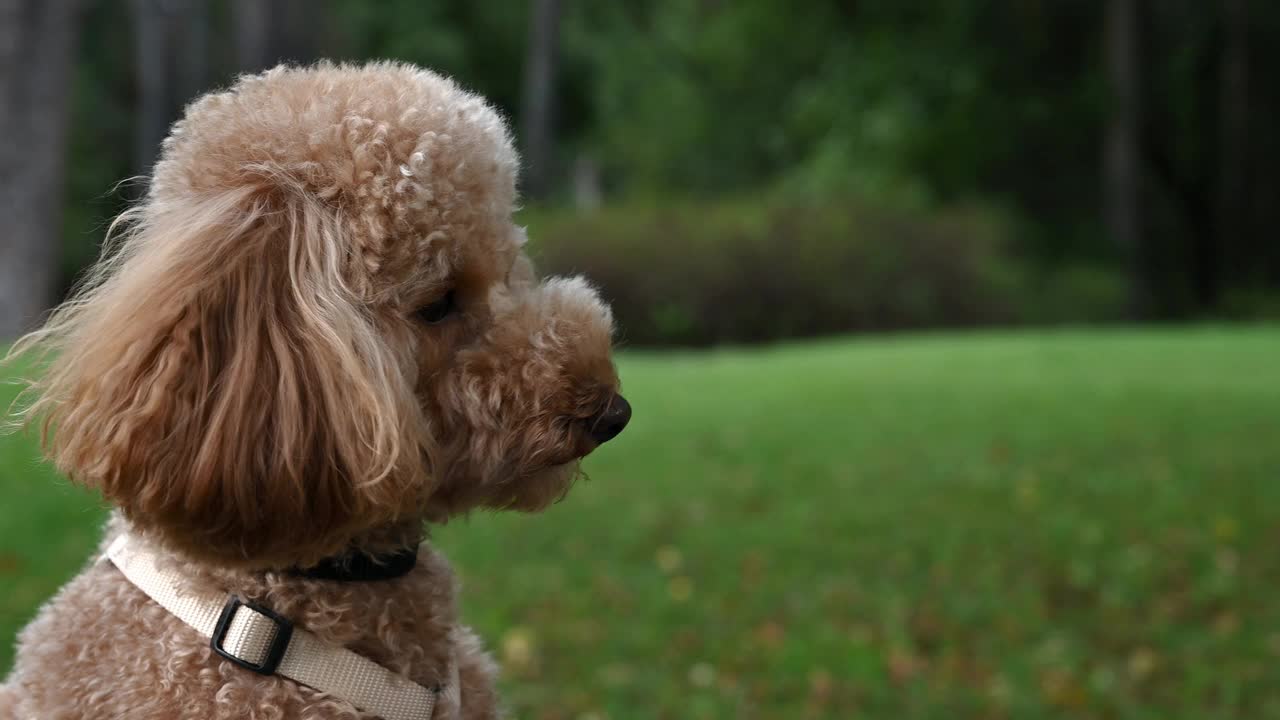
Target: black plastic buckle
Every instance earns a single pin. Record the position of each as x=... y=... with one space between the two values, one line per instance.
x=280 y=643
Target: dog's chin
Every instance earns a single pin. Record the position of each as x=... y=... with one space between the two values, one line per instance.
x=545 y=486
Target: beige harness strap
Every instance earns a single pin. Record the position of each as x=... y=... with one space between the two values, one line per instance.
x=263 y=642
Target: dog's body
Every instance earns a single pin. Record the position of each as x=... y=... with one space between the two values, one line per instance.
x=102 y=649
x=318 y=332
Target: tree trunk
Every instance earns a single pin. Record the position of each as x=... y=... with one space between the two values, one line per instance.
x=192 y=56
x=1234 y=232
x=37 y=61
x=269 y=32
x=170 y=59
x=150 y=60
x=539 y=96
x=1122 y=174
x=251 y=19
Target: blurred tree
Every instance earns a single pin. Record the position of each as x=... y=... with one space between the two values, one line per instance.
x=172 y=66
x=1121 y=170
x=538 y=108
x=173 y=57
x=37 y=41
x=714 y=98
x=481 y=44
x=921 y=104
x=269 y=32
x=1233 y=187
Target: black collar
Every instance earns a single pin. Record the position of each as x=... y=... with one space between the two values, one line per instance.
x=361 y=567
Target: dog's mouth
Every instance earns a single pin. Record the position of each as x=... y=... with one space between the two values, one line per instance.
x=537 y=475
x=599 y=428
x=541 y=487
x=577 y=450
x=585 y=435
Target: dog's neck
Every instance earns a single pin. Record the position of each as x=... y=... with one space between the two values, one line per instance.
x=381 y=553
x=384 y=553
x=359 y=566
x=417 y=608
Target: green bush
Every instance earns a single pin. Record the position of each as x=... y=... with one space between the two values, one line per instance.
x=1256 y=304
x=741 y=272
x=1075 y=293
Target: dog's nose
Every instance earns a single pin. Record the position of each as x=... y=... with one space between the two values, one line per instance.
x=607 y=425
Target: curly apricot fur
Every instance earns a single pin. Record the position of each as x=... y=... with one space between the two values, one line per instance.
x=244 y=376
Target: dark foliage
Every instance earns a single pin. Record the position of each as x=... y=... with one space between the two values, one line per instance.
x=921 y=105
x=738 y=272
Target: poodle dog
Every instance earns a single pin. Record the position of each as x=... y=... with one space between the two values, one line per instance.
x=317 y=335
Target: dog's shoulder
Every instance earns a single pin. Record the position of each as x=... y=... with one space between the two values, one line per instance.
x=102 y=648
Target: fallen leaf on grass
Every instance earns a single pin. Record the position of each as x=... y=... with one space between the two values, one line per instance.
x=820 y=685
x=680 y=588
x=518 y=648
x=616 y=674
x=1142 y=662
x=771 y=634
x=999 y=690
x=1226 y=624
x=1225 y=528
x=702 y=675
x=1061 y=688
x=1027 y=492
x=752 y=568
x=903 y=665
x=669 y=559
x=1227 y=560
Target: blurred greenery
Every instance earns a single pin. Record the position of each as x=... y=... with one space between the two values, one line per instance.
x=764 y=270
x=1006 y=525
x=918 y=107
x=1044 y=524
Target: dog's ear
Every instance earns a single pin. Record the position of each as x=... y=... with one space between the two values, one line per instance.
x=221 y=382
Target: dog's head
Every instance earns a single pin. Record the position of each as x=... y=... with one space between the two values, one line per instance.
x=320 y=325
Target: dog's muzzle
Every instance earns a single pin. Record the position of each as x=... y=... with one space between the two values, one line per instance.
x=610 y=422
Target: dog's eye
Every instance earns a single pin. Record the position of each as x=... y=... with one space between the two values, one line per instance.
x=437 y=311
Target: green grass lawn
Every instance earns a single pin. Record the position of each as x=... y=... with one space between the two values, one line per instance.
x=1074 y=524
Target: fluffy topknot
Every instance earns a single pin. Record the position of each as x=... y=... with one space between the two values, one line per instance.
x=395 y=151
